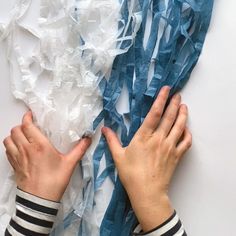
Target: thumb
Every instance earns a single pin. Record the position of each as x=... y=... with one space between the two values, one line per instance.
x=113 y=142
x=76 y=154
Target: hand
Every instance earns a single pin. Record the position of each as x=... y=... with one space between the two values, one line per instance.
x=146 y=166
x=39 y=168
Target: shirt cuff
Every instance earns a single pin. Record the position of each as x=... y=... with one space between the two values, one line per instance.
x=33 y=216
x=170 y=227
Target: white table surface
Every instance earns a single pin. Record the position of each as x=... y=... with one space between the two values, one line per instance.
x=204 y=186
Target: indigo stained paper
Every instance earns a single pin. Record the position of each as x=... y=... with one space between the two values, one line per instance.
x=174 y=42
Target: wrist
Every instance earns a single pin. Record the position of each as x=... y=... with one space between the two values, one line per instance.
x=41 y=191
x=152 y=212
x=36 y=195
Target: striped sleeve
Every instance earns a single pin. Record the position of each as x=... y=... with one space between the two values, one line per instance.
x=171 y=227
x=34 y=216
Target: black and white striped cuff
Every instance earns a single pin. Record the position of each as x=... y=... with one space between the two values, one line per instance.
x=34 y=216
x=171 y=227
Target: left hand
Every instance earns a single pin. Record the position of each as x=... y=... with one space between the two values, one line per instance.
x=39 y=168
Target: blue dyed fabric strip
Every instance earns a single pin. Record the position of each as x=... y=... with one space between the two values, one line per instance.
x=177 y=34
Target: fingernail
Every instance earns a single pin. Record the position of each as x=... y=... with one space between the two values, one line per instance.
x=87 y=140
x=184 y=107
x=167 y=88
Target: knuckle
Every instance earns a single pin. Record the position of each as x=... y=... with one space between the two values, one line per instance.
x=188 y=143
x=25 y=126
x=7 y=153
x=15 y=130
x=24 y=116
x=5 y=141
x=39 y=147
x=171 y=149
x=180 y=127
x=108 y=139
x=168 y=146
x=176 y=102
x=156 y=112
x=170 y=116
x=159 y=138
x=190 y=138
x=83 y=149
x=160 y=101
x=22 y=148
x=177 y=158
x=176 y=98
x=9 y=158
x=161 y=97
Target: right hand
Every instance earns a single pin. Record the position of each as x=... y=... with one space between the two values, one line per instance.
x=147 y=164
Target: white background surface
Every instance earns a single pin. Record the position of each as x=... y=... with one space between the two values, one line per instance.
x=204 y=187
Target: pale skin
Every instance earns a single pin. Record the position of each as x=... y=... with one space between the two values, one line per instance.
x=145 y=166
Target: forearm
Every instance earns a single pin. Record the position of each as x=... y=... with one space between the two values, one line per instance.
x=33 y=216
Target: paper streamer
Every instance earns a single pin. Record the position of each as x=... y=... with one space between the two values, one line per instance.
x=175 y=40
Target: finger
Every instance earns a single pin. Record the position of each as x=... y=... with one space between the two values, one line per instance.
x=18 y=137
x=76 y=154
x=12 y=161
x=185 y=144
x=113 y=142
x=153 y=118
x=31 y=132
x=170 y=115
x=10 y=146
x=180 y=124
